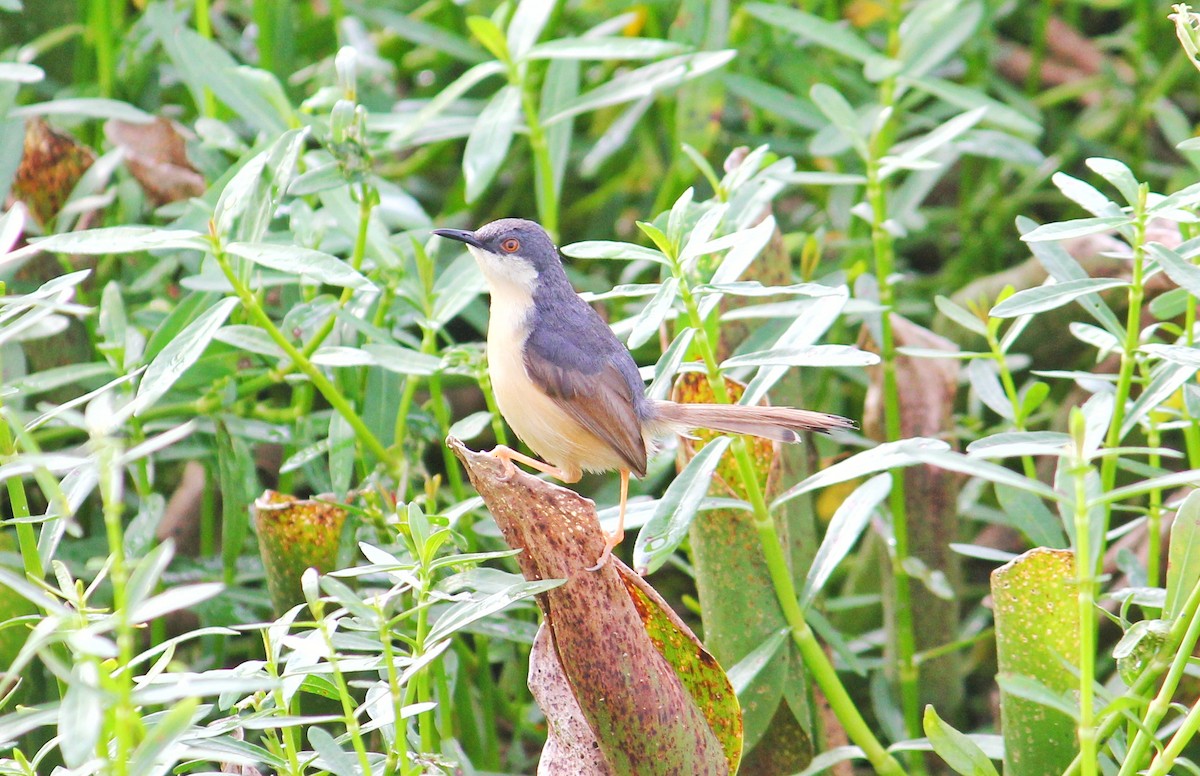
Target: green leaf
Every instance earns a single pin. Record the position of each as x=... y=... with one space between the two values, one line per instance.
x=446 y=97
x=1013 y=443
x=840 y=113
x=742 y=675
x=122 y=239
x=960 y=315
x=605 y=48
x=332 y=757
x=179 y=355
x=1119 y=175
x=315 y=265
x=845 y=527
x=408 y=27
x=966 y=97
x=487 y=33
x=814 y=29
x=21 y=73
x=981 y=373
x=1054 y=295
x=668 y=526
x=1181 y=271
x=165 y=734
x=1086 y=196
x=84 y=107
x=607 y=249
x=810 y=355
x=1183 y=560
x=780 y=102
x=889 y=455
x=463 y=613
x=1064 y=230
x=527 y=24
x=933 y=32
x=487 y=145
x=921 y=148
x=645 y=81
x=648 y=321
x=961 y=753
x=559 y=88
x=403 y=360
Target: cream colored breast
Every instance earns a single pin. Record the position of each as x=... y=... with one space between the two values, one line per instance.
x=540 y=422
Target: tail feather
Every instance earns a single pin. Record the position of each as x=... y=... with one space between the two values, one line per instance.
x=783 y=424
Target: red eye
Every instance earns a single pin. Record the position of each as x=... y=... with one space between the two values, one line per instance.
x=511 y=245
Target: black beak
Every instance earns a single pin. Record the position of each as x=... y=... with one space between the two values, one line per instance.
x=462 y=235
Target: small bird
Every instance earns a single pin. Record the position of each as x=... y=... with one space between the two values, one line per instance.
x=566 y=384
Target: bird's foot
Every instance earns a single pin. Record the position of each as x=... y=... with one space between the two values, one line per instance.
x=610 y=542
x=508 y=468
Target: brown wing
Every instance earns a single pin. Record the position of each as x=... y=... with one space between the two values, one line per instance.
x=602 y=402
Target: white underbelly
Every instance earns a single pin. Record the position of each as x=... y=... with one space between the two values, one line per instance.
x=539 y=421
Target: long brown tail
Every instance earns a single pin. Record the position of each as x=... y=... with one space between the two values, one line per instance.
x=780 y=423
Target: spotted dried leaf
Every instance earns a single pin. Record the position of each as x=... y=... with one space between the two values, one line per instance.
x=157 y=157
x=51 y=165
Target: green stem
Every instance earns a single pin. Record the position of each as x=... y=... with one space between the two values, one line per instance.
x=100 y=28
x=1085 y=579
x=907 y=673
x=125 y=719
x=301 y=362
x=19 y=502
x=810 y=649
x=1133 y=330
x=208 y=107
x=543 y=165
x=1181 y=640
x=348 y=716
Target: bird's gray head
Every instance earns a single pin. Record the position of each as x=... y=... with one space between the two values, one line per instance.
x=511 y=251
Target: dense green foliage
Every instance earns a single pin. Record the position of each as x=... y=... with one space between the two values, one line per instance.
x=231 y=350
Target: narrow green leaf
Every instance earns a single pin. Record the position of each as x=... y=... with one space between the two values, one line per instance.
x=526 y=25
x=742 y=675
x=674 y=512
x=19 y=72
x=122 y=239
x=1181 y=271
x=981 y=373
x=179 y=355
x=645 y=81
x=1183 y=555
x=889 y=455
x=332 y=757
x=464 y=613
x=810 y=355
x=961 y=753
x=164 y=735
x=605 y=48
x=1086 y=196
x=960 y=315
x=487 y=145
x=487 y=33
x=648 y=321
x=606 y=249
x=315 y=265
x=84 y=107
x=816 y=30
x=1064 y=230
x=1118 y=174
x=849 y=521
x=1048 y=297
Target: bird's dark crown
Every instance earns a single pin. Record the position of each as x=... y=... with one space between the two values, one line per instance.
x=532 y=242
